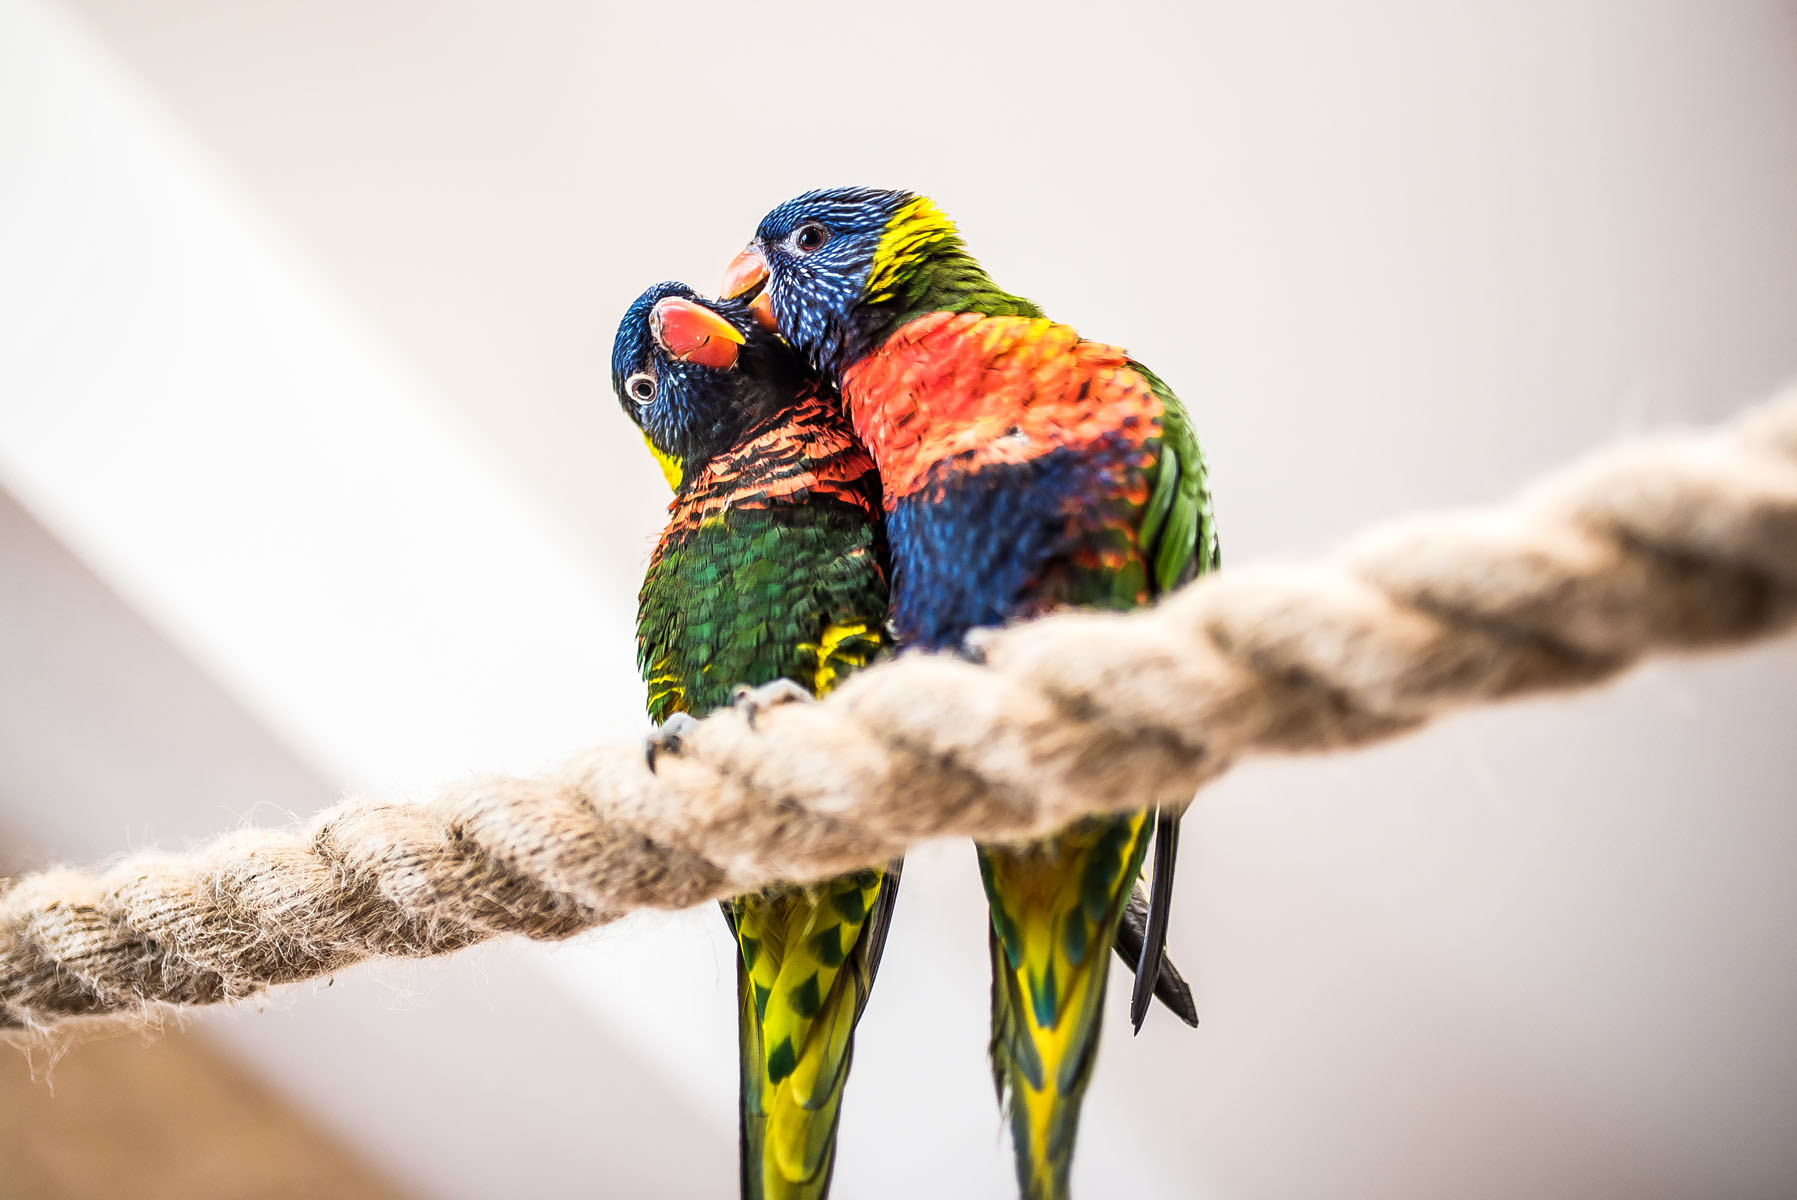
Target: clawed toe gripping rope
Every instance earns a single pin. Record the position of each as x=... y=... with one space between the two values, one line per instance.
x=1679 y=543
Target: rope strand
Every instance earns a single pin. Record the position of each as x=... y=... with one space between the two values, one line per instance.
x=1675 y=544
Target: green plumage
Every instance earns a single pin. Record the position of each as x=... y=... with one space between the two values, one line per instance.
x=772 y=566
x=747 y=596
x=1056 y=905
x=1178 y=527
x=1053 y=902
x=1026 y=470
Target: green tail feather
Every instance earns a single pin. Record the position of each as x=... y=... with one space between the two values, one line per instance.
x=805 y=966
x=1055 y=909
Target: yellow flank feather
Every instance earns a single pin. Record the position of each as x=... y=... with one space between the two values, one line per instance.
x=910 y=232
x=671 y=470
x=666 y=695
x=842 y=648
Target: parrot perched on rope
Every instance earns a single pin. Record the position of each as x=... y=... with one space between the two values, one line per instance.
x=1025 y=469
x=772 y=567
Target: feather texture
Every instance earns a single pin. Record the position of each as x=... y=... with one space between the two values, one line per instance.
x=773 y=566
x=1025 y=469
x=1055 y=909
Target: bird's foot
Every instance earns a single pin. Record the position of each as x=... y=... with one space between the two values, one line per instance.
x=974 y=644
x=666 y=738
x=751 y=701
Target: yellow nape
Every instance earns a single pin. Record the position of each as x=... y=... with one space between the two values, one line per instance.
x=909 y=233
x=670 y=466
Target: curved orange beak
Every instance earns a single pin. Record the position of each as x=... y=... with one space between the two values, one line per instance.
x=693 y=333
x=747 y=275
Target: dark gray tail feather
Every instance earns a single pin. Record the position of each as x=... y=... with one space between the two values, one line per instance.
x=1170 y=988
x=1160 y=907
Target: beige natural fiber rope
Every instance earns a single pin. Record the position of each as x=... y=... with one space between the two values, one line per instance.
x=1677 y=543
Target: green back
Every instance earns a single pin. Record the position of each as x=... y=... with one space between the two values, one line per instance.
x=773 y=566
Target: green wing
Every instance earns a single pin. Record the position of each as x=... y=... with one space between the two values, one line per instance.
x=1178 y=536
x=1178 y=533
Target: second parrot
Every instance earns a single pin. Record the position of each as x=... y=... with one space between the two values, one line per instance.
x=772 y=567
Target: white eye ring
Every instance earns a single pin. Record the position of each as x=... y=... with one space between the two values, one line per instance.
x=641 y=388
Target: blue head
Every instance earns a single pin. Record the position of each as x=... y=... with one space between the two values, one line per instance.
x=696 y=375
x=831 y=267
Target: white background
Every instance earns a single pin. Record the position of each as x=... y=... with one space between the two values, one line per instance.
x=316 y=483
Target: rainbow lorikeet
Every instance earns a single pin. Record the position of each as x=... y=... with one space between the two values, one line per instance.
x=772 y=567
x=1024 y=469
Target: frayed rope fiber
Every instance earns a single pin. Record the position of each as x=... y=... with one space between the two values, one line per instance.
x=1678 y=543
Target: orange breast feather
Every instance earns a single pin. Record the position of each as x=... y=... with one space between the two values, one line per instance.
x=984 y=390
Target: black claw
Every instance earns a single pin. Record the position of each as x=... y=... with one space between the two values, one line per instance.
x=743 y=700
x=750 y=701
x=667 y=738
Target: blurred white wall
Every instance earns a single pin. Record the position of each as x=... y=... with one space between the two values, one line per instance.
x=304 y=319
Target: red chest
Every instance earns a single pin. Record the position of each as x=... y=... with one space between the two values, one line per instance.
x=982 y=390
x=809 y=454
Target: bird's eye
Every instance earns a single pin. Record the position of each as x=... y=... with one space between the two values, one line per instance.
x=810 y=236
x=640 y=387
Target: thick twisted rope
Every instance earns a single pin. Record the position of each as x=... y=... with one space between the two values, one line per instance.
x=1679 y=543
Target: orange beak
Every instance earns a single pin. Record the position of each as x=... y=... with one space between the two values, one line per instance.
x=748 y=274
x=693 y=333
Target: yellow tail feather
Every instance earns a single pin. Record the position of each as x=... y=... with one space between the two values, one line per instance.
x=1055 y=907
x=806 y=964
